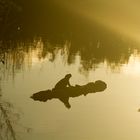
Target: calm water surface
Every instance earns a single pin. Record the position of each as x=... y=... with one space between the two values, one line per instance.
x=35 y=65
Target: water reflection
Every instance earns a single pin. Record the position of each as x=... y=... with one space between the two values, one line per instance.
x=10 y=14
x=63 y=93
x=19 y=56
x=9 y=121
x=133 y=67
x=6 y=121
x=71 y=42
x=9 y=116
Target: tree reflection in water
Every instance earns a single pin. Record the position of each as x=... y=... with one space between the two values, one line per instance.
x=9 y=117
x=19 y=55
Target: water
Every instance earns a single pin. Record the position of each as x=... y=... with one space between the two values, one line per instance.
x=41 y=42
x=37 y=65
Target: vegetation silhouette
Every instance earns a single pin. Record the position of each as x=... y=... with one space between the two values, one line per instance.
x=64 y=93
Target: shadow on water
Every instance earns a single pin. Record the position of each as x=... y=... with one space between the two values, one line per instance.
x=63 y=93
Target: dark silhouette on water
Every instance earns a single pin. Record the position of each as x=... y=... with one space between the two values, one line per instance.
x=63 y=94
x=63 y=82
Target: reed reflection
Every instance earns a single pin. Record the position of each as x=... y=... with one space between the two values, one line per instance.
x=63 y=93
x=6 y=121
x=17 y=56
x=9 y=115
x=9 y=121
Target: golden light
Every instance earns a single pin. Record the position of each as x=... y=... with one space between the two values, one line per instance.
x=133 y=66
x=121 y=16
x=33 y=57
